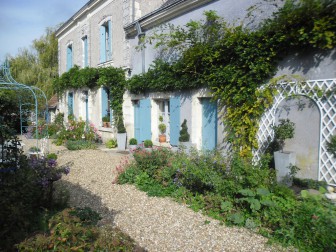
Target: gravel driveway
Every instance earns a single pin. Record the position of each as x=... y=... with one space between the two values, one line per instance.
x=157 y=224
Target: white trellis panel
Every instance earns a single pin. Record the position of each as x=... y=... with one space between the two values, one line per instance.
x=327 y=107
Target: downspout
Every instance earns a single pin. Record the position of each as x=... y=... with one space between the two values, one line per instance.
x=141 y=34
x=133 y=10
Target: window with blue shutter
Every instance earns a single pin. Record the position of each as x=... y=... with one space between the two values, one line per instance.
x=85 y=52
x=106 y=41
x=69 y=57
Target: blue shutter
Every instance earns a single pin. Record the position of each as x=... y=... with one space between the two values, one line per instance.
x=175 y=105
x=142 y=120
x=145 y=120
x=86 y=62
x=137 y=121
x=69 y=58
x=209 y=124
x=109 y=40
x=104 y=101
x=102 y=44
x=70 y=103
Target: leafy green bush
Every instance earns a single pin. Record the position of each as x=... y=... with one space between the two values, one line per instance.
x=184 y=135
x=52 y=156
x=236 y=192
x=26 y=187
x=331 y=146
x=80 y=145
x=111 y=143
x=78 y=130
x=75 y=229
x=148 y=143
x=133 y=141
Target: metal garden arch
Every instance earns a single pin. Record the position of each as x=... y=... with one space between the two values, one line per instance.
x=32 y=101
x=326 y=104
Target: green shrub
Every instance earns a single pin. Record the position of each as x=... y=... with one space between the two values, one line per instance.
x=80 y=145
x=148 y=143
x=75 y=229
x=133 y=141
x=309 y=183
x=184 y=135
x=111 y=143
x=52 y=156
x=331 y=146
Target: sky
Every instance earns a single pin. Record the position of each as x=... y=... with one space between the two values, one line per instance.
x=22 y=21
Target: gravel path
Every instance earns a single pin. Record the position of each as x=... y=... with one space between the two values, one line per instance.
x=157 y=224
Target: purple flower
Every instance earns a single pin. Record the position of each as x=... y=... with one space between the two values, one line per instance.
x=67 y=170
x=52 y=163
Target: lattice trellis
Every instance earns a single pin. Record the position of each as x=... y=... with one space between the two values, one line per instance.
x=327 y=107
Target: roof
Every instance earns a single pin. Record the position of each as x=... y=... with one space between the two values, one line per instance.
x=53 y=102
x=169 y=10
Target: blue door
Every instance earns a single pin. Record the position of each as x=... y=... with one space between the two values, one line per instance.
x=209 y=124
x=142 y=120
x=175 y=105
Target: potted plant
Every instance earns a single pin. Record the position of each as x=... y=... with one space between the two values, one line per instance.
x=106 y=121
x=121 y=134
x=148 y=145
x=284 y=160
x=132 y=144
x=185 y=136
x=162 y=129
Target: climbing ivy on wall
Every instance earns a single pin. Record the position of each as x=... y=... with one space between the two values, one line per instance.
x=235 y=61
x=109 y=77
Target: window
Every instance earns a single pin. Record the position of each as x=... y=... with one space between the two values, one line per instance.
x=106 y=42
x=69 y=57
x=106 y=109
x=85 y=51
x=70 y=103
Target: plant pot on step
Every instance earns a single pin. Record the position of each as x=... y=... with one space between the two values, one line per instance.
x=283 y=162
x=162 y=138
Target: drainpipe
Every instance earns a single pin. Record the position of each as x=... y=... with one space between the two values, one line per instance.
x=133 y=10
x=140 y=35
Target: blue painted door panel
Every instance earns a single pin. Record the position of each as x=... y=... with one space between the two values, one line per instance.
x=175 y=105
x=142 y=120
x=209 y=124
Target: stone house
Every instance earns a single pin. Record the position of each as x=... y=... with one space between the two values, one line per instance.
x=83 y=37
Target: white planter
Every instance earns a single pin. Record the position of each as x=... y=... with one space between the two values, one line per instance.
x=121 y=140
x=283 y=161
x=149 y=149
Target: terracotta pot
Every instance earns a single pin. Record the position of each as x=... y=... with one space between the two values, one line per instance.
x=162 y=138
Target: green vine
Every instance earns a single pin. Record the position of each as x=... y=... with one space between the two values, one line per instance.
x=235 y=61
x=109 y=77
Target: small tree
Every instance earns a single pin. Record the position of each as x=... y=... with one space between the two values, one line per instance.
x=285 y=130
x=162 y=126
x=184 y=135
